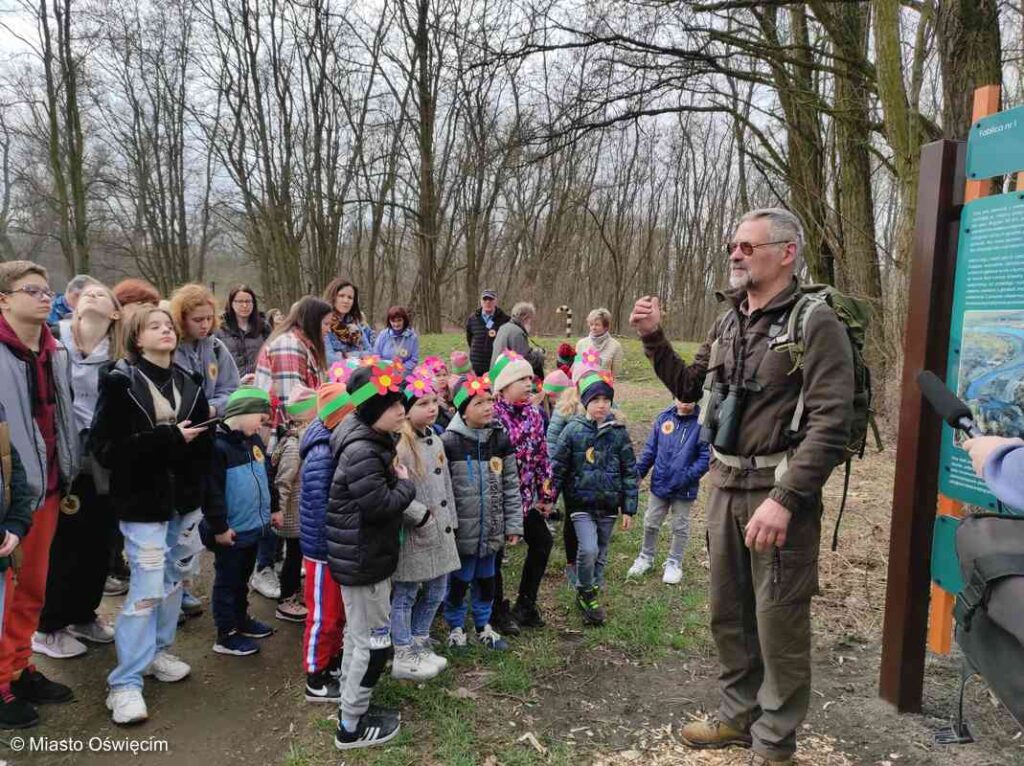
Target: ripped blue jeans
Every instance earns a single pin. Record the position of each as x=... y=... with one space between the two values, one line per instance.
x=149 y=618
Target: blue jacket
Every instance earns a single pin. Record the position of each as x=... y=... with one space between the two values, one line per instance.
x=677 y=454
x=15 y=498
x=338 y=350
x=594 y=467
x=317 y=472
x=404 y=345
x=211 y=359
x=59 y=310
x=1004 y=474
x=555 y=427
x=238 y=487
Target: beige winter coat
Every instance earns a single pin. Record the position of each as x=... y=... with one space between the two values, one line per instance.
x=429 y=550
x=288 y=482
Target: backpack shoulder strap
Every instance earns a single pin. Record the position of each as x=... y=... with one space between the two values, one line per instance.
x=793 y=342
x=797 y=331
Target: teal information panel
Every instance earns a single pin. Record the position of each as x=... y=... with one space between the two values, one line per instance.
x=986 y=342
x=995 y=145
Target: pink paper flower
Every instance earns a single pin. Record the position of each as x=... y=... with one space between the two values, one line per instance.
x=339 y=372
x=420 y=383
x=591 y=359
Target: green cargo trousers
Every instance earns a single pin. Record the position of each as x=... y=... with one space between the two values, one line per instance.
x=761 y=620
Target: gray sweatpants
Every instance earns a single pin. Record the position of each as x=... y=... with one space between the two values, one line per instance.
x=367 y=643
x=657 y=509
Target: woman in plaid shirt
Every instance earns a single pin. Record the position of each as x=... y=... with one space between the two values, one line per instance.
x=294 y=353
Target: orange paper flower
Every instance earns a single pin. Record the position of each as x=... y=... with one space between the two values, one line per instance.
x=386 y=379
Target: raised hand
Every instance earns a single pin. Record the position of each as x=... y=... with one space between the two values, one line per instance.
x=646 y=316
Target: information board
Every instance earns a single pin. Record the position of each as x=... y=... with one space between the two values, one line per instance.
x=986 y=344
x=995 y=145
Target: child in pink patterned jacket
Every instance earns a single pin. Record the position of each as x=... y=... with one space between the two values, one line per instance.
x=512 y=378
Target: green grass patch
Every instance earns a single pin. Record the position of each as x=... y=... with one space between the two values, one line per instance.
x=636 y=368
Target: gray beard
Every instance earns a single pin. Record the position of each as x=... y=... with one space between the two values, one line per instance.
x=740 y=281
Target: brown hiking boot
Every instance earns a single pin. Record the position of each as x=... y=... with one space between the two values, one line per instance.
x=713 y=735
x=756 y=759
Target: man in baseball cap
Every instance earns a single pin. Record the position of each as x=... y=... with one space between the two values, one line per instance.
x=481 y=328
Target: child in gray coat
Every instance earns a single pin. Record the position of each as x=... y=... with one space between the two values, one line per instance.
x=428 y=551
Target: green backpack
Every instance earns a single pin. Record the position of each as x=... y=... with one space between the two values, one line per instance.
x=855 y=314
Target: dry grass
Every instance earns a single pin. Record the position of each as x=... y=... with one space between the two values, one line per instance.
x=663 y=748
x=852 y=578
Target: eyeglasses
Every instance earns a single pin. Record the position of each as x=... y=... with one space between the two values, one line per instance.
x=39 y=293
x=94 y=294
x=748 y=248
x=241 y=302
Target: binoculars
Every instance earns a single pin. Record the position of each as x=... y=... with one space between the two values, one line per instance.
x=722 y=426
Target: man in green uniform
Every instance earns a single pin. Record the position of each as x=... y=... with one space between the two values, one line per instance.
x=777 y=431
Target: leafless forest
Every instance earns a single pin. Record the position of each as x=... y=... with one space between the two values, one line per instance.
x=568 y=151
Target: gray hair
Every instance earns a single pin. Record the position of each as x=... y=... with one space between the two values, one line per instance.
x=602 y=315
x=784 y=226
x=523 y=311
x=79 y=282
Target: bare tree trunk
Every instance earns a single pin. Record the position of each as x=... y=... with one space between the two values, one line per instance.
x=428 y=294
x=970 y=55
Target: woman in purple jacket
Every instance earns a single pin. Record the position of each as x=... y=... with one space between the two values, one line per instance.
x=1000 y=462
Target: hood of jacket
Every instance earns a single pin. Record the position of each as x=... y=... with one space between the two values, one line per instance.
x=354 y=430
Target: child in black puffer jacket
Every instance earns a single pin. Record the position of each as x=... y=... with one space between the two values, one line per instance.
x=370 y=495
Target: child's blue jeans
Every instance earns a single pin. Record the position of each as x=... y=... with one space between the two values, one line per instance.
x=233 y=566
x=594 y=532
x=477 y=575
x=149 y=617
x=411 y=616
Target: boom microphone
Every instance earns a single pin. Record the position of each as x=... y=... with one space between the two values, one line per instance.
x=946 y=404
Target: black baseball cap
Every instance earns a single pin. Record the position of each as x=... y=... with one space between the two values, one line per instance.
x=489 y=294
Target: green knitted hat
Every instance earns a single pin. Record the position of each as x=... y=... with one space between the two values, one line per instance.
x=247 y=400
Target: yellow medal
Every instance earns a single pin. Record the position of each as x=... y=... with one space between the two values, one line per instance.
x=70 y=505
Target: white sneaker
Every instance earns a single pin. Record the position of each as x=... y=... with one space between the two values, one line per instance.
x=490 y=638
x=60 y=645
x=427 y=653
x=265 y=583
x=167 y=668
x=640 y=567
x=127 y=705
x=409 y=665
x=457 y=639
x=673 y=573
x=96 y=632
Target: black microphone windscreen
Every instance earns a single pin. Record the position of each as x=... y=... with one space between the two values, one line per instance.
x=943 y=401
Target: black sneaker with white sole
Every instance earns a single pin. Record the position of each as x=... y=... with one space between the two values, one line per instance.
x=35 y=688
x=322 y=687
x=374 y=728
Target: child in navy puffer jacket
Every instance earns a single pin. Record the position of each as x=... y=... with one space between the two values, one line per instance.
x=679 y=459
x=323 y=639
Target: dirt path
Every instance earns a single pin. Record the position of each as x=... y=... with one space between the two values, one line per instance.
x=231 y=710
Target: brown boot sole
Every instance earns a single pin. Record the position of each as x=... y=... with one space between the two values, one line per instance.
x=736 y=742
